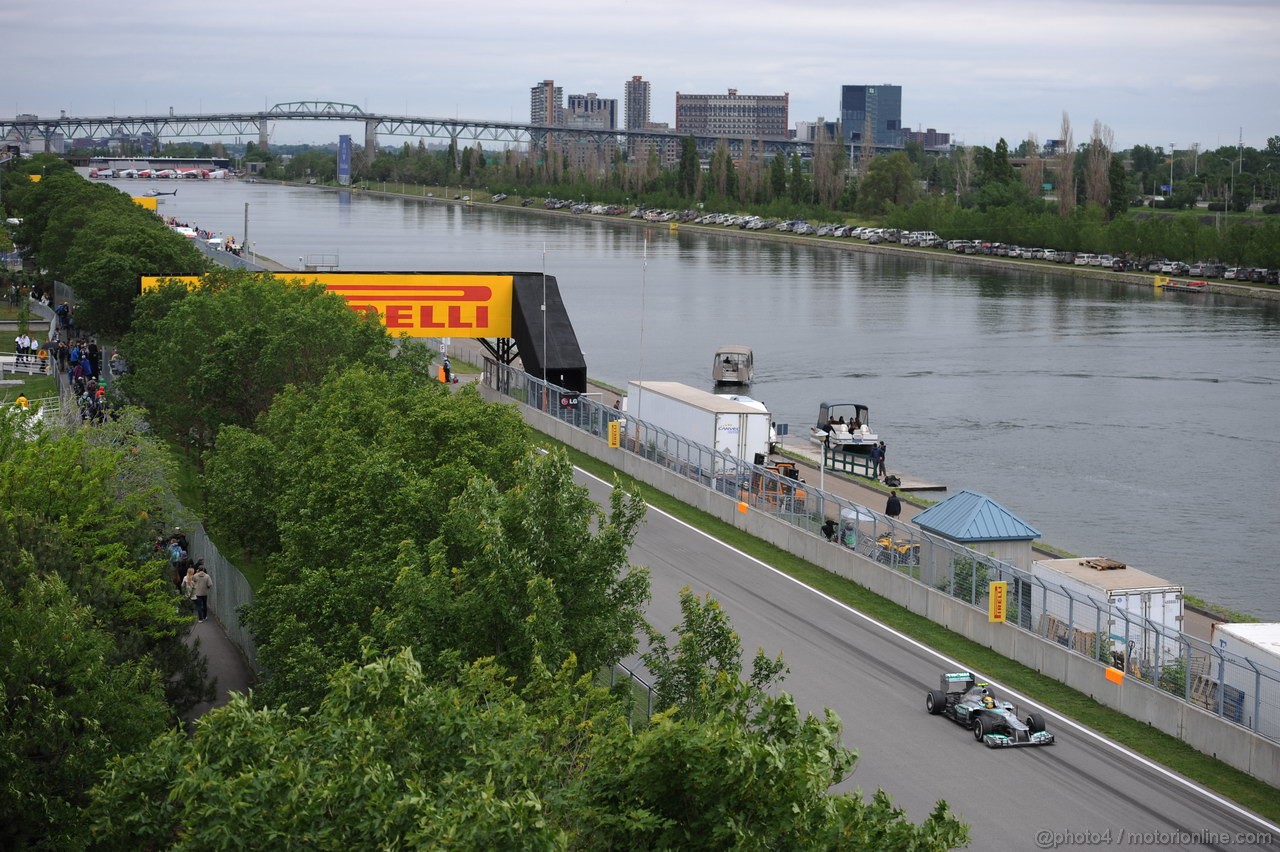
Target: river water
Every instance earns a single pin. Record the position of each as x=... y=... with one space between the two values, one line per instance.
x=1116 y=421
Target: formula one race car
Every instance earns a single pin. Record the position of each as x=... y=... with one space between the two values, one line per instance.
x=971 y=704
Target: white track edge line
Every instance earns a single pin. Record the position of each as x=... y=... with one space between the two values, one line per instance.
x=1071 y=723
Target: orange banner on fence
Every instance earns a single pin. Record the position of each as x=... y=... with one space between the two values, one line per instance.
x=419 y=304
x=1115 y=675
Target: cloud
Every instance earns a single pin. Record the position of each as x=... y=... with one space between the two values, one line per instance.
x=1153 y=70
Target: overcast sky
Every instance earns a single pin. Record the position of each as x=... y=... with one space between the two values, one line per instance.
x=1154 y=72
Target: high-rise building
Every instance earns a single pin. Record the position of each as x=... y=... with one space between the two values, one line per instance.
x=591 y=111
x=545 y=103
x=636 y=103
x=928 y=139
x=877 y=107
x=749 y=116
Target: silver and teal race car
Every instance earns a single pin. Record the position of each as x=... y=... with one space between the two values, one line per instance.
x=965 y=701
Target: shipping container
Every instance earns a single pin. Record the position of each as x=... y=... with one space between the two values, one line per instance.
x=1108 y=610
x=740 y=427
x=1252 y=693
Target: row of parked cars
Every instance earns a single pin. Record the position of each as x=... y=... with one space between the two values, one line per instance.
x=921 y=239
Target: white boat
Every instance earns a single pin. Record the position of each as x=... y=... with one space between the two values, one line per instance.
x=733 y=365
x=844 y=426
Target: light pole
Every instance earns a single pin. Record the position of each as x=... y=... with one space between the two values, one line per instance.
x=1171 y=144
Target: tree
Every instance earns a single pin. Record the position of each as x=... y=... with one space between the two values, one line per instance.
x=778 y=176
x=107 y=284
x=1066 y=169
x=690 y=168
x=420 y=517
x=1118 y=193
x=964 y=162
x=69 y=707
x=92 y=660
x=219 y=354
x=395 y=759
x=723 y=175
x=889 y=180
x=796 y=184
x=1097 y=167
x=534 y=572
x=689 y=677
x=1033 y=172
x=830 y=167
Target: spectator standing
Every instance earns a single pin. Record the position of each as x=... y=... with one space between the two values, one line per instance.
x=188 y=588
x=202 y=583
x=893 y=506
x=880 y=455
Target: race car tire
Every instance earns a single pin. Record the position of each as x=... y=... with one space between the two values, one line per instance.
x=1035 y=722
x=935 y=702
x=981 y=727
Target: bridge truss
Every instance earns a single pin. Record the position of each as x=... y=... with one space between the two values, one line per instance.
x=36 y=132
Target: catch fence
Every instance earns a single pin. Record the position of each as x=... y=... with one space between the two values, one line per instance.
x=230 y=592
x=1151 y=649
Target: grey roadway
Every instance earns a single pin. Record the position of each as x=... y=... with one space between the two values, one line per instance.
x=876 y=679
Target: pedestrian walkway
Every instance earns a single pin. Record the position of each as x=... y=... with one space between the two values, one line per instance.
x=227 y=667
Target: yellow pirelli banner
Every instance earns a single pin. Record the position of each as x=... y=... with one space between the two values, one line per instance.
x=420 y=304
x=146 y=202
x=997 y=601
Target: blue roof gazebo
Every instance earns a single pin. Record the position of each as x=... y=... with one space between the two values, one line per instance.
x=978 y=522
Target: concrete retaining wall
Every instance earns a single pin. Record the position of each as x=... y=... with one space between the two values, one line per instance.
x=1204 y=731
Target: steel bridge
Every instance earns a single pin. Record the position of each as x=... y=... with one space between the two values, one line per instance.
x=35 y=132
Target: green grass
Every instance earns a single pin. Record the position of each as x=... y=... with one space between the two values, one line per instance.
x=1238 y=786
x=1219 y=610
x=32 y=387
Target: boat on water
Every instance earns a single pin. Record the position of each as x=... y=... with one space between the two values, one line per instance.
x=1185 y=286
x=733 y=364
x=844 y=426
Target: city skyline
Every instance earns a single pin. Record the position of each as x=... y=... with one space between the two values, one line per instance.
x=1156 y=73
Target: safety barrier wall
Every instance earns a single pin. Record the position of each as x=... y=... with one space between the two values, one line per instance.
x=929 y=586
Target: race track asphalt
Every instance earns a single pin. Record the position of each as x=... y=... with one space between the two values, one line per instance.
x=1081 y=792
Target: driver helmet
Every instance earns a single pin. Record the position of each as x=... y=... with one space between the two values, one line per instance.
x=988 y=702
